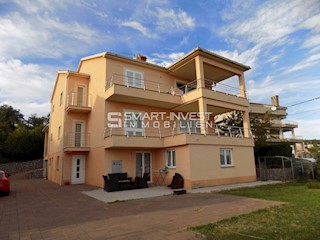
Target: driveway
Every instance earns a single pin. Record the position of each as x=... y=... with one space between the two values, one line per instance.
x=39 y=209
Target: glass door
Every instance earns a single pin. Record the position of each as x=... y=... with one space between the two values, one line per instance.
x=143 y=164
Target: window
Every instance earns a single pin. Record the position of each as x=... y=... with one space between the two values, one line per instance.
x=59 y=132
x=133 y=123
x=193 y=125
x=61 y=98
x=57 y=163
x=134 y=79
x=171 y=158
x=225 y=157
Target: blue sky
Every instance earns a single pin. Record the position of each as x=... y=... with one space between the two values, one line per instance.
x=279 y=39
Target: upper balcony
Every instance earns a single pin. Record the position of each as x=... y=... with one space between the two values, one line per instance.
x=145 y=92
x=78 y=102
x=77 y=142
x=174 y=136
x=284 y=124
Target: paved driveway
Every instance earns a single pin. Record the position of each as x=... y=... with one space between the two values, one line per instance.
x=39 y=209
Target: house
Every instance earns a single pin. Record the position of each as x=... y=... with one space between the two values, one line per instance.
x=118 y=114
x=280 y=130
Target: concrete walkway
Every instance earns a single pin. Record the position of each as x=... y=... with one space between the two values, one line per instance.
x=157 y=191
x=39 y=209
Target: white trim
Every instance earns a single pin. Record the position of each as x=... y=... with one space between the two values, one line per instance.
x=143 y=162
x=140 y=85
x=225 y=160
x=134 y=130
x=171 y=159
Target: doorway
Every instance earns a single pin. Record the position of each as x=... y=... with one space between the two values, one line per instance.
x=143 y=164
x=78 y=175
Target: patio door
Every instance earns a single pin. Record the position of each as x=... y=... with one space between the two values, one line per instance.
x=78 y=130
x=143 y=164
x=80 y=96
x=78 y=174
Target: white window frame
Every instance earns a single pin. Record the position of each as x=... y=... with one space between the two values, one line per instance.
x=136 y=82
x=224 y=161
x=183 y=126
x=171 y=161
x=84 y=102
x=134 y=131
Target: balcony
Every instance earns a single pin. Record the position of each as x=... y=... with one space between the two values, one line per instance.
x=77 y=142
x=284 y=124
x=78 y=103
x=170 y=137
x=144 y=92
x=279 y=138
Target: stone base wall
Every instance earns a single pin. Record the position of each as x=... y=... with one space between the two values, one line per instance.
x=20 y=167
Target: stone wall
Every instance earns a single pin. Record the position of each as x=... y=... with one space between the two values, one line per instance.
x=20 y=167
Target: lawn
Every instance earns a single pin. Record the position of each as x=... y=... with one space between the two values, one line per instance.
x=298 y=219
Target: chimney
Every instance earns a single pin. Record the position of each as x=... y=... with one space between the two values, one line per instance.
x=275 y=100
x=141 y=58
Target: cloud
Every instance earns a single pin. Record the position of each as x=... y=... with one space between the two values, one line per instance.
x=26 y=86
x=307 y=129
x=170 y=20
x=42 y=37
x=236 y=9
x=165 y=59
x=305 y=63
x=248 y=57
x=138 y=26
x=312 y=42
x=274 y=21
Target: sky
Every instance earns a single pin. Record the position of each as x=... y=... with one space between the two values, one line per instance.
x=279 y=40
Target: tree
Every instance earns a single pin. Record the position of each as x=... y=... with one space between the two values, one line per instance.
x=20 y=140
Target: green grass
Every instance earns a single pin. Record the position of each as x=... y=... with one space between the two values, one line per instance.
x=298 y=219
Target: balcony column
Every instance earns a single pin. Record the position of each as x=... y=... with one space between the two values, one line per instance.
x=242 y=86
x=293 y=134
x=246 y=124
x=203 y=115
x=199 y=72
x=280 y=133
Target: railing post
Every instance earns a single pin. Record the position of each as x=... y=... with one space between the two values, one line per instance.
x=240 y=132
x=159 y=88
x=230 y=133
x=159 y=132
x=217 y=129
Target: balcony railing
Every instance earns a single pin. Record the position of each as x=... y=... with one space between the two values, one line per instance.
x=218 y=130
x=78 y=100
x=77 y=140
x=284 y=122
x=144 y=84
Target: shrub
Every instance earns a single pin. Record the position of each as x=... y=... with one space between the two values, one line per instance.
x=313 y=185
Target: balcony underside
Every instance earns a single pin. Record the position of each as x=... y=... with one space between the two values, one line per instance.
x=172 y=141
x=290 y=140
x=77 y=149
x=78 y=109
x=140 y=96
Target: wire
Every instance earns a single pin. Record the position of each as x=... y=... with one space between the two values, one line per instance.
x=304 y=102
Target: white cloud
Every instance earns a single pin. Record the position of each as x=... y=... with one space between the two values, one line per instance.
x=248 y=57
x=42 y=37
x=169 y=20
x=313 y=22
x=236 y=9
x=138 y=26
x=165 y=59
x=307 y=129
x=274 y=21
x=313 y=41
x=305 y=63
x=27 y=87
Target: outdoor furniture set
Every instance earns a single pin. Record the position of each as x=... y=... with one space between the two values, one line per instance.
x=121 y=181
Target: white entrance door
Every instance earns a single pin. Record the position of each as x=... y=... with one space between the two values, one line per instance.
x=78 y=169
x=143 y=164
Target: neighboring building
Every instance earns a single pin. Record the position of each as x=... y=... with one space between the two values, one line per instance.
x=83 y=142
x=281 y=130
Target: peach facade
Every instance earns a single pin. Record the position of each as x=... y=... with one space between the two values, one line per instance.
x=83 y=141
